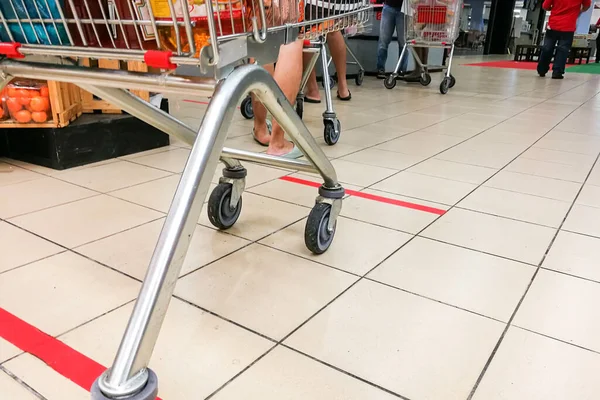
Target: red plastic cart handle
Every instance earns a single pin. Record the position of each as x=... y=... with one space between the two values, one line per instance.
x=159 y=59
x=11 y=50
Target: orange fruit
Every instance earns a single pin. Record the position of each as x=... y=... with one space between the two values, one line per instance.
x=24 y=100
x=39 y=116
x=13 y=105
x=13 y=92
x=40 y=103
x=22 y=116
x=23 y=93
x=44 y=91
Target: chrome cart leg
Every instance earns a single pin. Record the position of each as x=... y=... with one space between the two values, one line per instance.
x=449 y=81
x=390 y=81
x=5 y=80
x=360 y=75
x=332 y=126
x=129 y=378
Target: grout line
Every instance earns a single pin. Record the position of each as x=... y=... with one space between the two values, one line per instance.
x=21 y=382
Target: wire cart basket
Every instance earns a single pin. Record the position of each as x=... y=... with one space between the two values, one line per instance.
x=429 y=24
x=45 y=39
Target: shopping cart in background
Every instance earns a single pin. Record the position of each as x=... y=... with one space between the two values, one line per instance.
x=332 y=127
x=429 y=24
x=45 y=39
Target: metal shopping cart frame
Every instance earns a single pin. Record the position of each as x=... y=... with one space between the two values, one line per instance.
x=42 y=55
x=429 y=24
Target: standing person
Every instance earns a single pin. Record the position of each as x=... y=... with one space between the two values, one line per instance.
x=561 y=29
x=392 y=18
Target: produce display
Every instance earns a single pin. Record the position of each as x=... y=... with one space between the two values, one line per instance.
x=27 y=102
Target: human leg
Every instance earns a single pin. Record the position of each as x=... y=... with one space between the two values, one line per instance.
x=550 y=39
x=598 y=48
x=386 y=31
x=400 y=33
x=311 y=92
x=261 y=132
x=565 y=41
x=337 y=47
x=288 y=74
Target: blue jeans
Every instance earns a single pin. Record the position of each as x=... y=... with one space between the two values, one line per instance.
x=391 y=18
x=551 y=38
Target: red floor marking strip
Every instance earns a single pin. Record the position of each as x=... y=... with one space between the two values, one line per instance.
x=65 y=360
x=373 y=197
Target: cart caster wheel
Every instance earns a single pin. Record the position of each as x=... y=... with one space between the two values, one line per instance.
x=445 y=85
x=390 y=81
x=425 y=79
x=359 y=77
x=300 y=107
x=246 y=108
x=149 y=391
x=332 y=131
x=220 y=214
x=316 y=235
x=331 y=82
x=452 y=81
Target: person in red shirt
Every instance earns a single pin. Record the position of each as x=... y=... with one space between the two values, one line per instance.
x=561 y=29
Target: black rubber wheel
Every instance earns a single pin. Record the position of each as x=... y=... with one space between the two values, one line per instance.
x=445 y=85
x=300 y=107
x=452 y=81
x=359 y=77
x=389 y=82
x=425 y=79
x=332 y=131
x=246 y=108
x=220 y=214
x=316 y=235
x=331 y=82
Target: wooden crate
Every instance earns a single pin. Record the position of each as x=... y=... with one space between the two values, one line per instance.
x=65 y=101
x=92 y=104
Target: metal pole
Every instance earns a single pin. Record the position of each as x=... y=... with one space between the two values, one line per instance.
x=326 y=79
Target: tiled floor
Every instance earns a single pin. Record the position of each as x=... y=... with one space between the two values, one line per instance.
x=495 y=299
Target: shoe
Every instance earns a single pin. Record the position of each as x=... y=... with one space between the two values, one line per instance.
x=558 y=76
x=347 y=98
x=312 y=101
x=269 y=127
x=293 y=154
x=541 y=75
x=381 y=74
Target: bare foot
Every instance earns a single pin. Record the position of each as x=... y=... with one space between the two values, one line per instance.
x=261 y=133
x=314 y=96
x=343 y=90
x=279 y=149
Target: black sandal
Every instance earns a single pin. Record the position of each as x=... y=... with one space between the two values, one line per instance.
x=348 y=98
x=311 y=101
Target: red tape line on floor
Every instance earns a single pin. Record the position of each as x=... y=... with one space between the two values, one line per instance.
x=368 y=196
x=65 y=360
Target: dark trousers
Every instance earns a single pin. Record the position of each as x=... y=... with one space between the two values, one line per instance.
x=551 y=39
x=598 y=48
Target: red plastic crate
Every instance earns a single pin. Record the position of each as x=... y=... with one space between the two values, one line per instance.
x=431 y=14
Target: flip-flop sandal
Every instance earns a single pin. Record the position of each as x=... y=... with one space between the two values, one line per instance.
x=293 y=154
x=269 y=127
x=312 y=101
x=347 y=98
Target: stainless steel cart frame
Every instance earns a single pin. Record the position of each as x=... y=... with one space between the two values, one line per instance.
x=48 y=38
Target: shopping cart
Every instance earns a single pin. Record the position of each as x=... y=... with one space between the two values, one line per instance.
x=44 y=39
x=429 y=24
